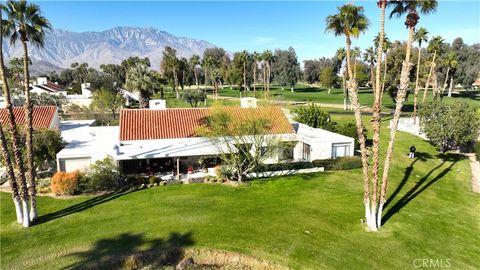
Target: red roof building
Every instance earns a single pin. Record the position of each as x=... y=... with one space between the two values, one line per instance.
x=147 y=124
x=43 y=117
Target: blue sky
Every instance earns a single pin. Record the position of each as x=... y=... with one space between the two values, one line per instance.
x=256 y=25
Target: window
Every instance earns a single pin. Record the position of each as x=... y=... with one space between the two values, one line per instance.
x=286 y=153
x=306 y=152
x=340 y=150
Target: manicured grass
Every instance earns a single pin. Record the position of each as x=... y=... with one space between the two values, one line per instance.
x=303 y=222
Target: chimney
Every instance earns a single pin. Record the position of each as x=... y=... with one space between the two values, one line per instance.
x=157 y=104
x=248 y=102
x=41 y=80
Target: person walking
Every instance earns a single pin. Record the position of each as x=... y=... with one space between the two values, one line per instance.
x=412 y=151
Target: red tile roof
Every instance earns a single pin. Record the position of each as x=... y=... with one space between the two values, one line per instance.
x=42 y=116
x=51 y=87
x=146 y=124
x=476 y=82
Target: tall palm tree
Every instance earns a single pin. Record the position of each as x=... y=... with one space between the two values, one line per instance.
x=267 y=56
x=194 y=62
x=435 y=46
x=412 y=8
x=256 y=56
x=370 y=57
x=387 y=45
x=420 y=36
x=244 y=55
x=140 y=79
x=376 y=210
x=350 y=21
x=20 y=199
x=27 y=25
x=356 y=53
x=341 y=55
x=451 y=62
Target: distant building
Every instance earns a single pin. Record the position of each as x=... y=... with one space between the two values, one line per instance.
x=42 y=85
x=476 y=84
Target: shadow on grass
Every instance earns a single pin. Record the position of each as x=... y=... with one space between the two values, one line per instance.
x=421 y=185
x=133 y=251
x=83 y=205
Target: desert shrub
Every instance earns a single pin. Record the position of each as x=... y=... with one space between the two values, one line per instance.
x=102 y=176
x=152 y=180
x=343 y=163
x=43 y=182
x=224 y=172
x=476 y=149
x=313 y=116
x=65 y=183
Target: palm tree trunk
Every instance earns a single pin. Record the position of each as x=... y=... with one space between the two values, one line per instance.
x=376 y=121
x=446 y=81
x=245 y=75
x=196 y=78
x=451 y=86
x=401 y=95
x=384 y=79
x=264 y=80
x=345 y=93
x=254 y=78
x=353 y=90
x=175 y=84
x=416 y=84
x=269 y=76
x=427 y=83
x=29 y=140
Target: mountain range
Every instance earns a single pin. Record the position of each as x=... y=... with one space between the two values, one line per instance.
x=62 y=48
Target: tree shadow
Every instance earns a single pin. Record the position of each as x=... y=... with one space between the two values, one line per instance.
x=133 y=251
x=421 y=185
x=408 y=171
x=83 y=205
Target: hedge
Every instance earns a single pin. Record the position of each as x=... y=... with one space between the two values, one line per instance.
x=343 y=163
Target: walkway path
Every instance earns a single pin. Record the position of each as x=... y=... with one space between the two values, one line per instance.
x=475 y=167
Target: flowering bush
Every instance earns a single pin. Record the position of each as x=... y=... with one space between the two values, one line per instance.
x=64 y=183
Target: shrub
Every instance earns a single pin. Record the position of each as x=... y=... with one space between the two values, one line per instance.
x=343 y=163
x=65 y=183
x=152 y=180
x=349 y=130
x=223 y=172
x=102 y=176
x=313 y=116
x=284 y=166
x=43 y=182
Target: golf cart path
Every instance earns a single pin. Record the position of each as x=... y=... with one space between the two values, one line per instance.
x=475 y=167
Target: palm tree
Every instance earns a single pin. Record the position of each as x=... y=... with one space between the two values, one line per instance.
x=370 y=57
x=267 y=56
x=420 y=36
x=173 y=63
x=20 y=199
x=387 y=45
x=27 y=25
x=256 y=56
x=412 y=8
x=194 y=62
x=140 y=79
x=340 y=55
x=450 y=61
x=435 y=46
x=244 y=55
x=350 y=21
x=375 y=212
x=356 y=53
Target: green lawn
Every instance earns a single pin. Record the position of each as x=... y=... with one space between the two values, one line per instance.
x=303 y=222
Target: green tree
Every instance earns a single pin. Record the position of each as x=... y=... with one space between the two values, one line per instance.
x=26 y=25
x=194 y=97
x=328 y=77
x=117 y=72
x=435 y=47
x=313 y=116
x=286 y=67
x=105 y=100
x=449 y=126
x=267 y=58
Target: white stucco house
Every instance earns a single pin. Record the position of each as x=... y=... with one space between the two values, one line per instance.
x=42 y=85
x=158 y=139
